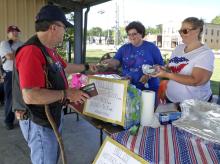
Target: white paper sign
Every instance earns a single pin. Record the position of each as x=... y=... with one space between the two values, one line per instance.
x=109 y=105
x=112 y=152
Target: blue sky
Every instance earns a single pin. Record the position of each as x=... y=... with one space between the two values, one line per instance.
x=151 y=12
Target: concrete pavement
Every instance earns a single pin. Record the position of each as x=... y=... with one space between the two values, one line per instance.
x=81 y=142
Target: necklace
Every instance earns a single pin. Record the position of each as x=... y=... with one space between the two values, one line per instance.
x=189 y=49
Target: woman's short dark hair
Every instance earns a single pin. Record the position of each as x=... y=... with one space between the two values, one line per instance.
x=196 y=24
x=138 y=26
x=42 y=25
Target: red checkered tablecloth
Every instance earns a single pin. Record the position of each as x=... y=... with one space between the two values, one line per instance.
x=168 y=145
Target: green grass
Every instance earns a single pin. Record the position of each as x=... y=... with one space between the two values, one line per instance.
x=95 y=53
x=215 y=79
x=93 y=56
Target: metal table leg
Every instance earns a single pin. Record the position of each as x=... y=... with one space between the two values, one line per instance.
x=77 y=117
x=101 y=137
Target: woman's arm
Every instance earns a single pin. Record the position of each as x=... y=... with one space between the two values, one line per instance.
x=111 y=63
x=198 y=77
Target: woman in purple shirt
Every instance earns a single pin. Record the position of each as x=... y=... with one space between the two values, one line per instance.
x=131 y=56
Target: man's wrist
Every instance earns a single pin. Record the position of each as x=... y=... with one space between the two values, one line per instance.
x=64 y=96
x=86 y=65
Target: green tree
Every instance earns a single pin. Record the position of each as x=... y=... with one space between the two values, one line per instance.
x=68 y=37
x=159 y=27
x=108 y=34
x=95 y=31
x=216 y=20
x=122 y=35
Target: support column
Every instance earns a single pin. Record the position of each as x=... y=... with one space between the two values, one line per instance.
x=78 y=33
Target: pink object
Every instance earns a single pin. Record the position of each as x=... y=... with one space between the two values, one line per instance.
x=78 y=80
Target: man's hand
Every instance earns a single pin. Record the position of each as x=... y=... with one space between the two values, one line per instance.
x=21 y=115
x=93 y=67
x=76 y=96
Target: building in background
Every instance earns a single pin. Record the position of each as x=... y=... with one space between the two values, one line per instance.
x=156 y=39
x=171 y=37
x=211 y=35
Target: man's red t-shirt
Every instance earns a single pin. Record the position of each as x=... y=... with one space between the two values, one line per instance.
x=30 y=62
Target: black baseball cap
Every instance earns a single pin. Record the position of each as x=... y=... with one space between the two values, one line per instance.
x=52 y=13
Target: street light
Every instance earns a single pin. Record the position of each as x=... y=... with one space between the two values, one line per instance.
x=102 y=12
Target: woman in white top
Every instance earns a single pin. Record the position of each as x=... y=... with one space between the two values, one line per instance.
x=191 y=65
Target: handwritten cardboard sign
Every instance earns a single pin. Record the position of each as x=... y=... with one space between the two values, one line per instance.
x=111 y=152
x=110 y=103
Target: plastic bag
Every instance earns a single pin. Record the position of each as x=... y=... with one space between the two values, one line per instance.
x=78 y=80
x=201 y=119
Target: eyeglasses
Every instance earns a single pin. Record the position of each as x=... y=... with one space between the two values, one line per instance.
x=185 y=31
x=132 y=34
x=59 y=25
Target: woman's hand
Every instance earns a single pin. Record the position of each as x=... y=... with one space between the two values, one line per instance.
x=110 y=63
x=144 y=79
x=106 y=62
x=160 y=72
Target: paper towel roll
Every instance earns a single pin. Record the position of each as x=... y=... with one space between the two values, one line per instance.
x=147 y=108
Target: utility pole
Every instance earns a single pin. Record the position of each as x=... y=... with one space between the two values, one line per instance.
x=117 y=33
x=101 y=12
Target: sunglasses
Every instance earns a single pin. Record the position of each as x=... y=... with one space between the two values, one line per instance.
x=185 y=31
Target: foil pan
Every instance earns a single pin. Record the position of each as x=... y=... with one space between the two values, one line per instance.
x=201 y=119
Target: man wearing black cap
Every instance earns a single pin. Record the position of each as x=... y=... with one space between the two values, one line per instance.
x=40 y=78
x=7 y=54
